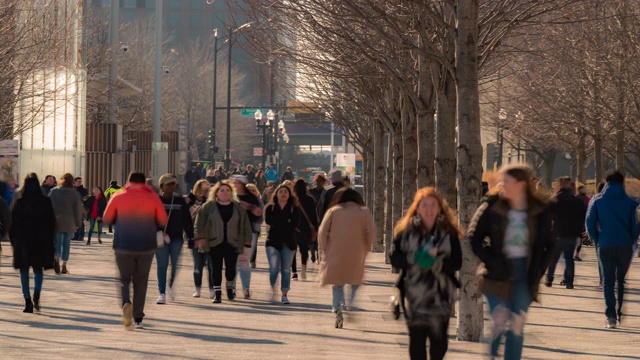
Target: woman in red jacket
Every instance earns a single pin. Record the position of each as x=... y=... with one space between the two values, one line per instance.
x=95 y=205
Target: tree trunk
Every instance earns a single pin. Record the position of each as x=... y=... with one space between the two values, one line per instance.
x=581 y=159
x=365 y=178
x=469 y=166
x=396 y=191
x=410 y=158
x=379 y=181
x=597 y=156
x=445 y=164
x=426 y=141
x=548 y=163
x=388 y=194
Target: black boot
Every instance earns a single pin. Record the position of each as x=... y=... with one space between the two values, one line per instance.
x=218 y=298
x=28 y=306
x=36 y=301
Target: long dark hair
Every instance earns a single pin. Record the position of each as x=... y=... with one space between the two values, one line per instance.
x=292 y=197
x=344 y=195
x=522 y=172
x=31 y=188
x=300 y=187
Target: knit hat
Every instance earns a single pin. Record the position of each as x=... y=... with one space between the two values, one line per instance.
x=243 y=179
x=166 y=179
x=336 y=175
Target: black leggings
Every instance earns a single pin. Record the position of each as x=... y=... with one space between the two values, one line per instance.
x=303 y=243
x=438 y=340
x=228 y=254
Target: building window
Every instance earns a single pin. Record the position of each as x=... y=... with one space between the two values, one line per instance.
x=129 y=17
x=129 y=3
x=194 y=36
x=196 y=3
x=176 y=4
x=173 y=19
x=195 y=19
x=150 y=4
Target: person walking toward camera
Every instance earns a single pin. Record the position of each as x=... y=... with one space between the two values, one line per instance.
x=179 y=222
x=223 y=230
x=283 y=216
x=613 y=227
x=345 y=238
x=196 y=200
x=68 y=207
x=518 y=224
x=137 y=214
x=308 y=229
x=94 y=208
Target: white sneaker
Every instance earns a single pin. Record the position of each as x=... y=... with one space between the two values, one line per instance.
x=172 y=294
x=212 y=294
x=285 y=300
x=197 y=293
x=138 y=325
x=162 y=299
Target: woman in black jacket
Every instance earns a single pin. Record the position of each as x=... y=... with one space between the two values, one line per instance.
x=283 y=216
x=426 y=249
x=33 y=246
x=308 y=226
x=517 y=223
x=94 y=206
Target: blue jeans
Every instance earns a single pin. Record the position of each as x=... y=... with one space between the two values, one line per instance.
x=512 y=310
x=37 y=279
x=63 y=244
x=92 y=224
x=280 y=263
x=338 y=296
x=244 y=266
x=199 y=262
x=171 y=250
x=614 y=262
x=566 y=247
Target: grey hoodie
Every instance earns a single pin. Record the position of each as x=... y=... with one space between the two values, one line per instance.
x=67 y=205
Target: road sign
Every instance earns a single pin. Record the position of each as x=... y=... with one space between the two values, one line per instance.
x=249 y=112
x=257 y=151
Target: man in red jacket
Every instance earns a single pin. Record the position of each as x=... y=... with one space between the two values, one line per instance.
x=137 y=214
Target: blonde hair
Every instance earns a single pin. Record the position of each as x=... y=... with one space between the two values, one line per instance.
x=253 y=190
x=213 y=193
x=196 y=187
x=450 y=220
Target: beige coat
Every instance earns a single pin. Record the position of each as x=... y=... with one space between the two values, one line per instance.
x=346 y=235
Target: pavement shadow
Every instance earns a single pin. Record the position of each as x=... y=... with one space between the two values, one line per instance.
x=617 y=330
x=50 y=326
x=578 y=311
x=214 y=338
x=562 y=351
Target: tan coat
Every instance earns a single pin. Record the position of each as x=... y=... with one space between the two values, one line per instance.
x=346 y=235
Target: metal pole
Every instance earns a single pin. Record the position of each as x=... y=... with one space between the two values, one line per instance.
x=332 y=145
x=228 y=149
x=114 y=25
x=264 y=146
x=157 y=90
x=215 y=87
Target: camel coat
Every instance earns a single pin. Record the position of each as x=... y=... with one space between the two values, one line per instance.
x=345 y=237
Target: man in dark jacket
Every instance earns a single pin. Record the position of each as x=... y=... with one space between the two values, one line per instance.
x=325 y=200
x=568 y=213
x=288 y=175
x=77 y=184
x=191 y=177
x=612 y=224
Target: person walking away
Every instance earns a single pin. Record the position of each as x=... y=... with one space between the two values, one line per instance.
x=137 y=214
x=261 y=181
x=345 y=238
x=94 y=208
x=68 y=208
x=48 y=184
x=111 y=190
x=518 y=225
x=308 y=228
x=426 y=249
x=191 y=177
x=271 y=174
x=318 y=191
x=223 y=231
x=179 y=222
x=283 y=216
x=611 y=224
x=250 y=174
x=251 y=204
x=196 y=199
x=568 y=214
x=84 y=194
x=33 y=246
x=288 y=175
x=251 y=188
x=582 y=195
x=327 y=198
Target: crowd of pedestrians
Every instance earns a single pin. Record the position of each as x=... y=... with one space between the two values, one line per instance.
x=518 y=233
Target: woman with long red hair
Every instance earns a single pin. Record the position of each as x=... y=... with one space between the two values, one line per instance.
x=426 y=248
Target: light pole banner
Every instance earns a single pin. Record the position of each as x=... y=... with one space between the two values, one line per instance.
x=9 y=152
x=347 y=164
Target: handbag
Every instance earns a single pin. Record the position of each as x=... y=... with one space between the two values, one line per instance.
x=314 y=232
x=161 y=236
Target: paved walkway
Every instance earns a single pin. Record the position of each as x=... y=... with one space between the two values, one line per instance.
x=81 y=319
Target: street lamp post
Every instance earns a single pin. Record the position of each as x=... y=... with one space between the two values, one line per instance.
x=267 y=126
x=215 y=86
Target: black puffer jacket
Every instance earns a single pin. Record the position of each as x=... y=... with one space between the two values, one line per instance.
x=569 y=213
x=490 y=220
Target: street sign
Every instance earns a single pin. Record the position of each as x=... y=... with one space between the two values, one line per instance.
x=257 y=151
x=249 y=112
